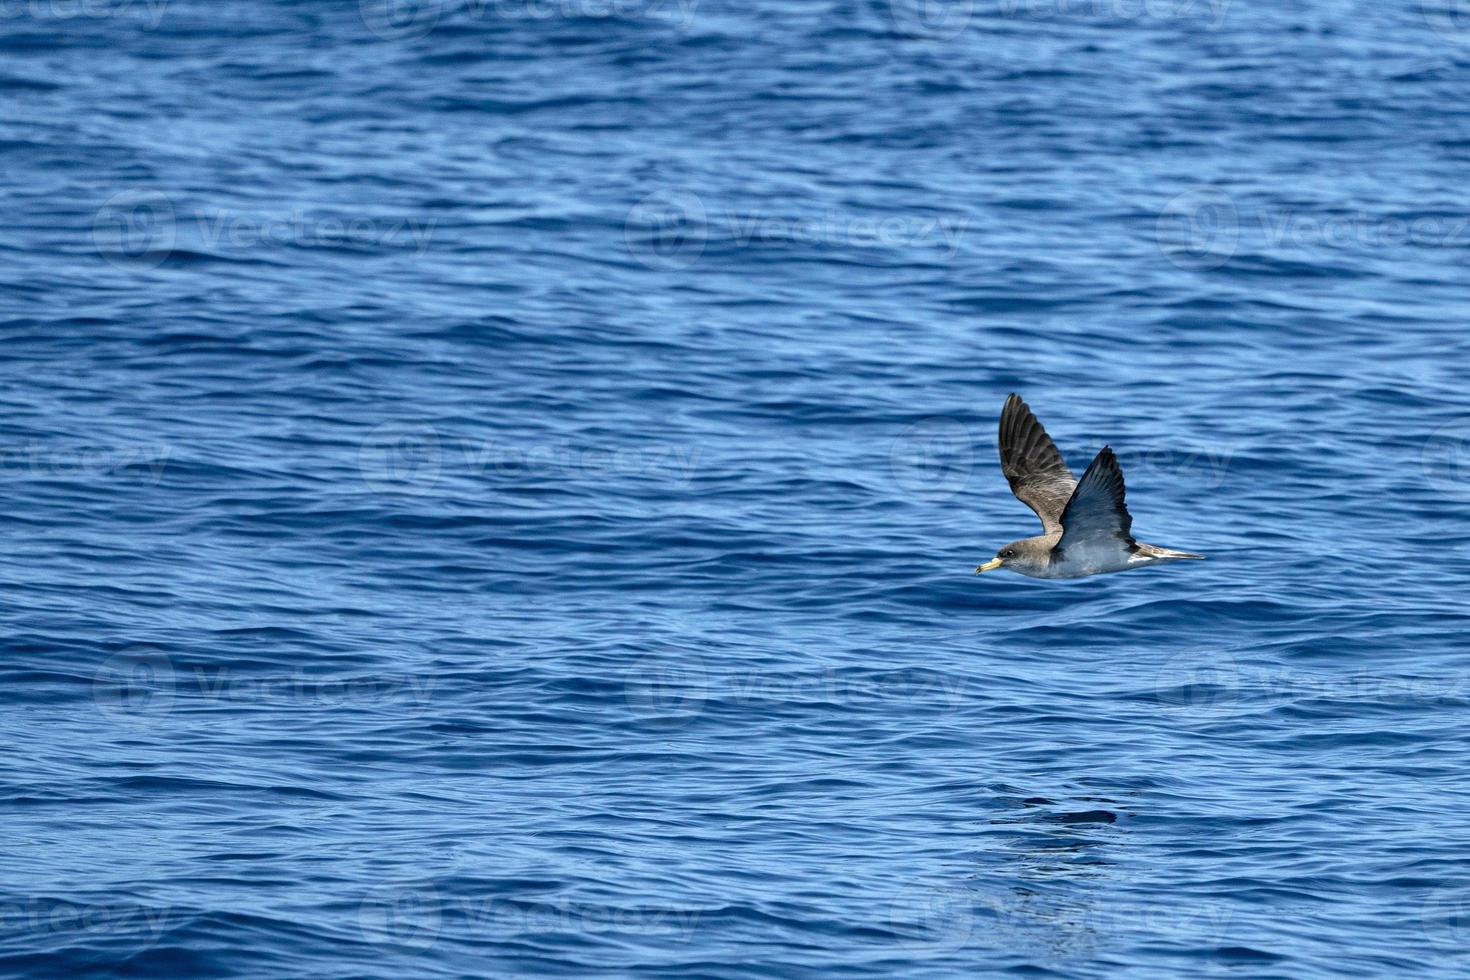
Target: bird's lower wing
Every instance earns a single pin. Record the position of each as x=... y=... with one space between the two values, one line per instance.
x=1038 y=475
x=1097 y=515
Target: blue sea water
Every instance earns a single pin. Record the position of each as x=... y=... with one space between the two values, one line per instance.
x=491 y=487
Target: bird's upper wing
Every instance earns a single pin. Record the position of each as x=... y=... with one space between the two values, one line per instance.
x=1036 y=471
x=1096 y=513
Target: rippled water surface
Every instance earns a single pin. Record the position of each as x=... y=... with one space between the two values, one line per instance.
x=491 y=488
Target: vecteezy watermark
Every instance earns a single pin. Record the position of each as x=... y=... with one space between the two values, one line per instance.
x=53 y=916
x=933 y=918
x=147 y=12
x=1062 y=919
x=1445 y=459
x=1198 y=229
x=414 y=915
x=408 y=915
x=409 y=458
x=401 y=20
x=135 y=229
x=240 y=230
x=667 y=229
x=674 y=689
x=941 y=233
x=669 y=690
x=1210 y=13
x=141 y=685
x=932 y=458
x=39 y=460
x=1203 y=468
x=1450 y=19
x=222 y=684
x=398 y=20
x=671 y=229
x=140 y=230
x=1199 y=685
x=931 y=20
x=945 y=20
x=401 y=458
x=1208 y=685
x=134 y=686
x=1446 y=918
x=506 y=918
x=1293 y=229
x=1204 y=229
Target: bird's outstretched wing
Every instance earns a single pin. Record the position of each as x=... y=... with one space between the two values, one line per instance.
x=1096 y=515
x=1035 y=470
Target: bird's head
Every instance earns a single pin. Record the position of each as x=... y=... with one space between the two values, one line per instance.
x=1025 y=556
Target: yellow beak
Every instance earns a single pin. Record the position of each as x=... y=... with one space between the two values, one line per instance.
x=989 y=566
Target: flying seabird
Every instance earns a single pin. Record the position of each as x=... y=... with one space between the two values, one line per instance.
x=1087 y=526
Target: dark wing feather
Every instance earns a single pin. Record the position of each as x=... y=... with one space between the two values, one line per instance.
x=1035 y=470
x=1097 y=510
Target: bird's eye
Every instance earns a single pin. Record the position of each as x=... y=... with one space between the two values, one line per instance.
x=1008 y=553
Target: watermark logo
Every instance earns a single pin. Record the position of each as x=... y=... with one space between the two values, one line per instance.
x=1081 y=920
x=149 y=12
x=401 y=20
x=670 y=229
x=1203 y=230
x=398 y=20
x=397 y=458
x=220 y=683
x=837 y=230
x=141 y=463
x=674 y=465
x=1204 y=468
x=1445 y=459
x=945 y=20
x=933 y=918
x=411 y=459
x=1450 y=19
x=670 y=689
x=1199 y=230
x=678 y=13
x=135 y=686
x=415 y=915
x=931 y=20
x=564 y=916
x=1199 y=685
x=141 y=686
x=140 y=230
x=667 y=230
x=73 y=920
x=221 y=229
x=1302 y=230
x=667 y=690
x=932 y=458
x=1446 y=918
x=135 y=230
x=404 y=915
x=1211 y=13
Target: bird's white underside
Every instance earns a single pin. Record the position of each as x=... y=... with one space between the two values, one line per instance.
x=1095 y=557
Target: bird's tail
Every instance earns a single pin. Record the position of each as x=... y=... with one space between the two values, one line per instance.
x=1169 y=554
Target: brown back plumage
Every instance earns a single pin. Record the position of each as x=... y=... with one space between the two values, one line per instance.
x=1035 y=470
